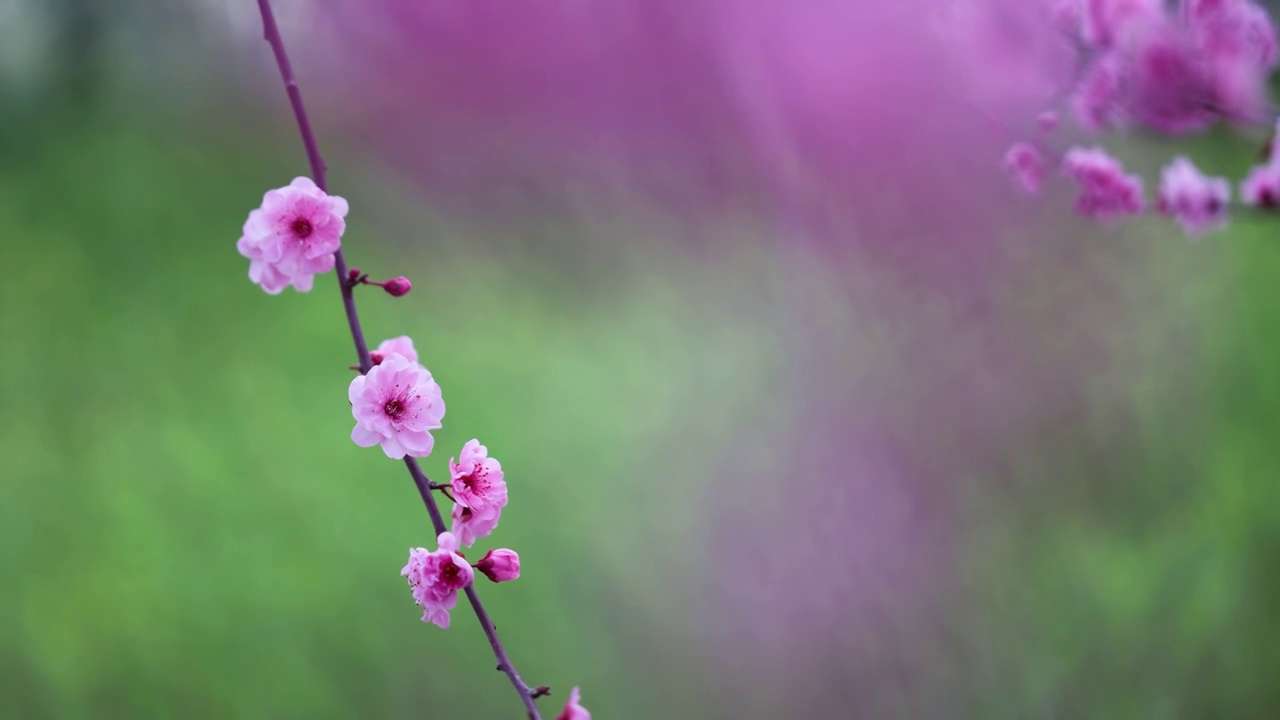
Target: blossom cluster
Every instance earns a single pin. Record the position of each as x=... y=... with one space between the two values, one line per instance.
x=396 y=403
x=1169 y=68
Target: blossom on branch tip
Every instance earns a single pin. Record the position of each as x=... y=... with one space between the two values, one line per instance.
x=1106 y=192
x=573 y=709
x=397 y=286
x=1196 y=201
x=402 y=345
x=292 y=236
x=1025 y=165
x=500 y=565
x=397 y=405
x=436 y=577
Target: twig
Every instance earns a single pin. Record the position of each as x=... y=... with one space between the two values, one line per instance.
x=271 y=32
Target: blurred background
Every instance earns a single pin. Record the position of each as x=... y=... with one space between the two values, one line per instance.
x=803 y=412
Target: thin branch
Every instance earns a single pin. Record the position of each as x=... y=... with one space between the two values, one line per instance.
x=271 y=32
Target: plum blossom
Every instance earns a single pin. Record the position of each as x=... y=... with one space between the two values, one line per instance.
x=292 y=236
x=1173 y=70
x=477 y=480
x=470 y=526
x=573 y=709
x=1025 y=166
x=1106 y=192
x=436 y=577
x=479 y=491
x=402 y=345
x=500 y=565
x=1197 y=202
x=1169 y=86
x=397 y=404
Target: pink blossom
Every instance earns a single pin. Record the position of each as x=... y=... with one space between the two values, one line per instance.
x=470 y=525
x=573 y=709
x=396 y=405
x=1232 y=27
x=1025 y=165
x=1047 y=121
x=436 y=577
x=292 y=236
x=1096 y=102
x=1236 y=43
x=402 y=345
x=1198 y=202
x=500 y=565
x=477 y=479
x=1261 y=187
x=1106 y=191
x=1169 y=86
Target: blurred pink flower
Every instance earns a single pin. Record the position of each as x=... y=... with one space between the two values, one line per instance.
x=397 y=404
x=1106 y=192
x=1096 y=101
x=1172 y=70
x=1261 y=187
x=500 y=565
x=436 y=577
x=293 y=235
x=1025 y=165
x=573 y=709
x=477 y=479
x=402 y=345
x=1169 y=86
x=1198 y=202
x=1232 y=28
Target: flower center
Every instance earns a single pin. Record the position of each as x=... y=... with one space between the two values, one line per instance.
x=394 y=408
x=449 y=574
x=475 y=480
x=302 y=228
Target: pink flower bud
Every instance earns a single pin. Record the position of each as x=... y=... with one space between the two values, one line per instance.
x=1026 y=166
x=500 y=565
x=397 y=286
x=573 y=709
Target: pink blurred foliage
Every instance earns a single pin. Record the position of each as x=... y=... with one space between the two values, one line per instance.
x=837 y=121
x=844 y=579
x=868 y=132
